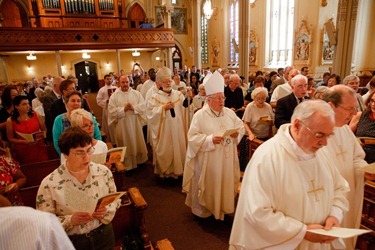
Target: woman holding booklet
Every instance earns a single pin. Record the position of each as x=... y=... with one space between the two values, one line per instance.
x=73 y=191
x=26 y=130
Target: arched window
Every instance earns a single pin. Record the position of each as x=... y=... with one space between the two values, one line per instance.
x=234 y=26
x=280 y=32
x=204 y=45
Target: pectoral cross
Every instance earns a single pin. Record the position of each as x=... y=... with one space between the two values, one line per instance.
x=314 y=190
x=342 y=153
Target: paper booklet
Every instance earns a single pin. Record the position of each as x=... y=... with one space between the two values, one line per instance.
x=366 y=140
x=370 y=168
x=81 y=202
x=228 y=132
x=34 y=136
x=340 y=232
x=113 y=155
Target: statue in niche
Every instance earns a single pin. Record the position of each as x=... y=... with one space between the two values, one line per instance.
x=215 y=52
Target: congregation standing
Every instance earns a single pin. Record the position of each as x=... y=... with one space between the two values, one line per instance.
x=198 y=127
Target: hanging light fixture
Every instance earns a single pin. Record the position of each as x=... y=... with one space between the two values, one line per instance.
x=31 y=57
x=85 y=55
x=207 y=9
x=136 y=53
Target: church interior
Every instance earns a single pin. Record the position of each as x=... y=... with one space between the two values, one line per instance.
x=91 y=38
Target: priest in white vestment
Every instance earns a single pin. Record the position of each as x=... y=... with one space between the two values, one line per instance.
x=102 y=99
x=212 y=171
x=347 y=153
x=165 y=114
x=127 y=115
x=290 y=186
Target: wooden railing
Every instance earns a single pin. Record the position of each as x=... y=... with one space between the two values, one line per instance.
x=18 y=39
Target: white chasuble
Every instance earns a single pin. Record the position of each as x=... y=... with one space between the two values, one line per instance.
x=348 y=157
x=168 y=133
x=128 y=125
x=212 y=173
x=281 y=194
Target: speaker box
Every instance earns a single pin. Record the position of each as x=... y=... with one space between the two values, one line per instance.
x=330 y=29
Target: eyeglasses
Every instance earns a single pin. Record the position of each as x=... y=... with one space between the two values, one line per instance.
x=348 y=109
x=87 y=126
x=82 y=153
x=371 y=101
x=317 y=135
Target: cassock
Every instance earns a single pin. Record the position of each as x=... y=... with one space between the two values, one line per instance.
x=128 y=125
x=348 y=156
x=284 y=189
x=102 y=99
x=212 y=171
x=168 y=134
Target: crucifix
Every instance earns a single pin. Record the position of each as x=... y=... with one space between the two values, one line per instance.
x=314 y=190
x=342 y=153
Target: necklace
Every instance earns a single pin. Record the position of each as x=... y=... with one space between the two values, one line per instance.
x=213 y=112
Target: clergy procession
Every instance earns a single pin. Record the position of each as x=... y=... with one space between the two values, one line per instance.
x=305 y=175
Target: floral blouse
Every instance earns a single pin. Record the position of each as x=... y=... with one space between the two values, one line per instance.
x=8 y=168
x=55 y=188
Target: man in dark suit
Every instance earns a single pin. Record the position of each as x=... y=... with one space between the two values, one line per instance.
x=234 y=95
x=47 y=102
x=286 y=105
x=58 y=106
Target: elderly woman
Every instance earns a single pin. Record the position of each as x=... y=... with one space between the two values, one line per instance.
x=258 y=116
x=24 y=122
x=83 y=119
x=319 y=92
x=73 y=101
x=11 y=180
x=68 y=191
x=363 y=125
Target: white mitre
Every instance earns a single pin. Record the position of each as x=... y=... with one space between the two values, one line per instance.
x=214 y=83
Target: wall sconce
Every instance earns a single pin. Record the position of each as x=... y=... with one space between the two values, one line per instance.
x=31 y=57
x=252 y=3
x=207 y=9
x=107 y=65
x=136 y=53
x=157 y=58
x=85 y=55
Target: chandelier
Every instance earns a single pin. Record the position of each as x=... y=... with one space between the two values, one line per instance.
x=31 y=57
x=207 y=9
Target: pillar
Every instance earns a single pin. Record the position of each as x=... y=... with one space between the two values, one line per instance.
x=244 y=38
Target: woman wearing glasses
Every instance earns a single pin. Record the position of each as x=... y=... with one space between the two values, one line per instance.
x=72 y=190
x=83 y=119
x=73 y=101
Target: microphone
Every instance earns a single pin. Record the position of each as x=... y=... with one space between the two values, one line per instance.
x=173 y=114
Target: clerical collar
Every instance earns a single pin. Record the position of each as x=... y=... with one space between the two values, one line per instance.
x=301 y=155
x=217 y=114
x=168 y=92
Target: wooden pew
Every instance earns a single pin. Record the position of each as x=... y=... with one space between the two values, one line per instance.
x=35 y=172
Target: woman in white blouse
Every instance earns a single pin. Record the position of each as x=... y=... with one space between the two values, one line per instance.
x=73 y=189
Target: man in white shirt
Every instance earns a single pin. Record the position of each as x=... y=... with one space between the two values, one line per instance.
x=283 y=89
x=289 y=187
x=27 y=228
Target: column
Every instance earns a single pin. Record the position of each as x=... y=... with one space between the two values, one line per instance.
x=244 y=38
x=58 y=63
x=167 y=12
x=118 y=60
x=196 y=33
x=346 y=22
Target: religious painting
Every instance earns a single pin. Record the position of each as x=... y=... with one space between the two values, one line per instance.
x=328 y=47
x=159 y=16
x=302 y=44
x=179 y=19
x=253 y=48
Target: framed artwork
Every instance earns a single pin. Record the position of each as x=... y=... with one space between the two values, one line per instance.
x=178 y=19
x=253 y=48
x=302 y=44
x=328 y=48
